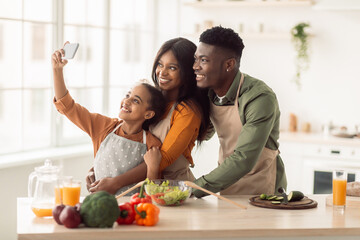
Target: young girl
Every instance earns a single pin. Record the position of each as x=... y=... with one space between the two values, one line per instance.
x=119 y=145
x=187 y=116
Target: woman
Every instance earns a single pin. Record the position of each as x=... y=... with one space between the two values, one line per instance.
x=187 y=116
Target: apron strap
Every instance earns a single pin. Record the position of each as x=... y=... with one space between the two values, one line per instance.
x=116 y=128
x=144 y=133
x=144 y=137
x=238 y=91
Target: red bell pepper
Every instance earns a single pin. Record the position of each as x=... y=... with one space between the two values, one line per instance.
x=127 y=214
x=140 y=197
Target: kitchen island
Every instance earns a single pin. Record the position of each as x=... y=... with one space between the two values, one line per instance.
x=208 y=218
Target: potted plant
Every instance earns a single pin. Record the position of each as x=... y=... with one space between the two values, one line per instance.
x=301 y=45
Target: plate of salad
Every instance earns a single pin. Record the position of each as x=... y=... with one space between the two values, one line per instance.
x=168 y=192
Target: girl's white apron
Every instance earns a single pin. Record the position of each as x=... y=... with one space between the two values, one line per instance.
x=117 y=155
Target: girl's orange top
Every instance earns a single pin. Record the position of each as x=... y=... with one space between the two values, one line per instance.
x=184 y=129
x=96 y=125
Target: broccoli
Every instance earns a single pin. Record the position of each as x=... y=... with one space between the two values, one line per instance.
x=99 y=210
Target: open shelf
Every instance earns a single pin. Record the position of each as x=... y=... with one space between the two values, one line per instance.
x=250 y=3
x=252 y=36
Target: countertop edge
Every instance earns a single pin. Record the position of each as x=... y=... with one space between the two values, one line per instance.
x=190 y=234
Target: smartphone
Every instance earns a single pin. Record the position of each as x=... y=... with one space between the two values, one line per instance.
x=70 y=50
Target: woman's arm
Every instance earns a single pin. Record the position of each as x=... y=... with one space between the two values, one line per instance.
x=181 y=136
x=152 y=159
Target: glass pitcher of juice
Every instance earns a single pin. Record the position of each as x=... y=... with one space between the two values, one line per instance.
x=45 y=178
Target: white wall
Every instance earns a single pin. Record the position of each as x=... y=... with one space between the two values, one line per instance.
x=329 y=88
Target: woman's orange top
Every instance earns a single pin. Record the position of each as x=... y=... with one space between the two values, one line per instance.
x=96 y=125
x=184 y=129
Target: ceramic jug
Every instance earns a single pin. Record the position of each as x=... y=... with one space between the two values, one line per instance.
x=45 y=178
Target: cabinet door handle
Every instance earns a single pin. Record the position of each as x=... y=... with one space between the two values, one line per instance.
x=335 y=151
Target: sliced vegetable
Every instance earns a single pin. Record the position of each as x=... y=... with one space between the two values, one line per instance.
x=159 y=198
x=275 y=199
x=295 y=196
x=263 y=196
x=272 y=197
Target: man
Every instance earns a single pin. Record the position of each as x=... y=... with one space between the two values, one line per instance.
x=245 y=115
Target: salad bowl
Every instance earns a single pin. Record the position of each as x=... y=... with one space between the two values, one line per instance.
x=168 y=192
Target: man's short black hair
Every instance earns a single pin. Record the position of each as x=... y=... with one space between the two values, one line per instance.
x=225 y=38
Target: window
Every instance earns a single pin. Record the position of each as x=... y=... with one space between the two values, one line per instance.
x=38 y=41
x=116 y=48
x=1 y=42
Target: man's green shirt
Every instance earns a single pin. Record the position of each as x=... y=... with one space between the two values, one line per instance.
x=260 y=116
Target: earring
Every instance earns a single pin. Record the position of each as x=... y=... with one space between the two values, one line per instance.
x=227 y=70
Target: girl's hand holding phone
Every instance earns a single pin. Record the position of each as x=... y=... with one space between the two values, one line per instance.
x=57 y=60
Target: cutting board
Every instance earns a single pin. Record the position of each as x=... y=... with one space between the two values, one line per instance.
x=305 y=203
x=350 y=201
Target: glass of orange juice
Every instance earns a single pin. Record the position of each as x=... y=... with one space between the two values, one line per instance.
x=60 y=187
x=339 y=189
x=71 y=191
x=59 y=194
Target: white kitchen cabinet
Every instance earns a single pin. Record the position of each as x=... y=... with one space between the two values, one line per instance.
x=305 y=154
x=293 y=161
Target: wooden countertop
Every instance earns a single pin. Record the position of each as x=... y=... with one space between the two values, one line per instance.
x=206 y=218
